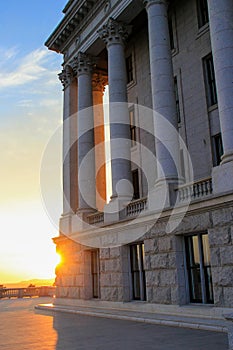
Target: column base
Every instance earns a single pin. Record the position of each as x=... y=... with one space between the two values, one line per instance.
x=222 y=178
x=163 y=195
x=115 y=209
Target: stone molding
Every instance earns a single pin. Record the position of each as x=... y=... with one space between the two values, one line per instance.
x=148 y=3
x=66 y=76
x=82 y=64
x=114 y=32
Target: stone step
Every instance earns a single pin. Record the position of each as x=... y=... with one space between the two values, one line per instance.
x=216 y=324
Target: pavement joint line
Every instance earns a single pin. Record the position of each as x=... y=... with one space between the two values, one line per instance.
x=168 y=323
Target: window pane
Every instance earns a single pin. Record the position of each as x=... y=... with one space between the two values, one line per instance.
x=137 y=271
x=195 y=285
x=133 y=135
x=217 y=149
x=196 y=255
x=202 y=9
x=198 y=268
x=177 y=100
x=135 y=179
x=129 y=68
x=206 y=249
x=95 y=273
x=210 y=80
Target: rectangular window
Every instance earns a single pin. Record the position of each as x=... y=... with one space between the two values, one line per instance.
x=137 y=257
x=199 y=268
x=210 y=80
x=129 y=68
x=135 y=180
x=171 y=34
x=217 y=149
x=177 y=100
x=95 y=273
x=202 y=13
x=182 y=164
x=132 y=127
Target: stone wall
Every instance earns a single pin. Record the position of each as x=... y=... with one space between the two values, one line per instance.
x=221 y=248
x=114 y=274
x=165 y=266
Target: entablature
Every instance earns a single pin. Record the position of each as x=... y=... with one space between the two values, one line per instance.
x=78 y=29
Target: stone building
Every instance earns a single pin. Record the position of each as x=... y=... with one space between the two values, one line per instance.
x=165 y=236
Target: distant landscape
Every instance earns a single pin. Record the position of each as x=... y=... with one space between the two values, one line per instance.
x=24 y=284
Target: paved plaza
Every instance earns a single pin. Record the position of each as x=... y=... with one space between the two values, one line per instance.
x=23 y=328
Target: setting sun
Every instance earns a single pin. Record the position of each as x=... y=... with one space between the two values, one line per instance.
x=27 y=250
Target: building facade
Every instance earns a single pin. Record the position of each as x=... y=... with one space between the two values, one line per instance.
x=165 y=236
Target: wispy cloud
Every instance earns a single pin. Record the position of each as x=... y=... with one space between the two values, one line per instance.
x=31 y=67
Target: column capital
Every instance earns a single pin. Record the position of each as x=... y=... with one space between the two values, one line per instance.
x=114 y=32
x=82 y=63
x=99 y=81
x=66 y=76
x=148 y=3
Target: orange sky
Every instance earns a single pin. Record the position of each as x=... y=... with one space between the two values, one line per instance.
x=31 y=111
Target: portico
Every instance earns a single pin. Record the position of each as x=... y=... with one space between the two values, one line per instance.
x=172 y=242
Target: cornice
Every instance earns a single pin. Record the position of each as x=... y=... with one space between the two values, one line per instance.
x=72 y=23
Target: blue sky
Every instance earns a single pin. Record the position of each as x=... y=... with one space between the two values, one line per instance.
x=30 y=112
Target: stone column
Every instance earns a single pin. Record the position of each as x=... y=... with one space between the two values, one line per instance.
x=82 y=65
x=164 y=106
x=69 y=138
x=98 y=85
x=114 y=34
x=221 y=34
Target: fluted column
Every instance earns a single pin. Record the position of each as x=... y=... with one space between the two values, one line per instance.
x=221 y=34
x=98 y=84
x=163 y=99
x=82 y=64
x=69 y=138
x=114 y=35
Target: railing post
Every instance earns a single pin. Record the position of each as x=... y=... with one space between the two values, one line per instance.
x=20 y=293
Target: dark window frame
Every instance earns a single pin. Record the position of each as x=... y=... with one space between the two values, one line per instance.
x=210 y=83
x=135 y=183
x=217 y=146
x=202 y=13
x=199 y=268
x=177 y=99
x=133 y=128
x=95 y=273
x=129 y=68
x=138 y=278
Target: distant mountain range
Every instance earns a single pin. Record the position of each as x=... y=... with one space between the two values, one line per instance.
x=36 y=282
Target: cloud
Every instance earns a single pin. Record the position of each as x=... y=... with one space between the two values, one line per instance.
x=31 y=67
x=6 y=54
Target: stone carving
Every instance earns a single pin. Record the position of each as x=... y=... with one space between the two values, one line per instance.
x=99 y=82
x=107 y=6
x=66 y=76
x=114 y=32
x=82 y=63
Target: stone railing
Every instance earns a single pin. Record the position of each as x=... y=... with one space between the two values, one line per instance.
x=195 y=190
x=136 y=207
x=96 y=218
x=27 y=292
